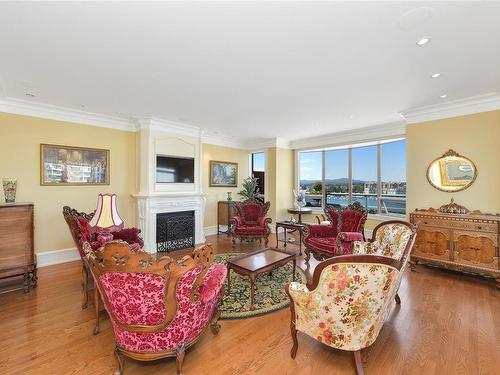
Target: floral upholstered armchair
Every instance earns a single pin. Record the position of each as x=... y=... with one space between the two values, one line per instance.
x=345 y=226
x=158 y=307
x=81 y=233
x=250 y=221
x=350 y=296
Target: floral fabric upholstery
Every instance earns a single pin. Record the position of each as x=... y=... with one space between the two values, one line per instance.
x=251 y=220
x=390 y=240
x=97 y=238
x=250 y=212
x=348 y=307
x=143 y=303
x=352 y=221
x=337 y=238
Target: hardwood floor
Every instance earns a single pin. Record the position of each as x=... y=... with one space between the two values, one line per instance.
x=447 y=323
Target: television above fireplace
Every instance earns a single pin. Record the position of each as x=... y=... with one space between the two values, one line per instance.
x=171 y=169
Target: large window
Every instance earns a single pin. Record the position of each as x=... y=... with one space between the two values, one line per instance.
x=373 y=175
x=258 y=170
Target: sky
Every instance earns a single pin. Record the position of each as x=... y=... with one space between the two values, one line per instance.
x=259 y=161
x=364 y=163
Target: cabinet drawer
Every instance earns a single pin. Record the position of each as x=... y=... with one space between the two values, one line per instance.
x=457 y=224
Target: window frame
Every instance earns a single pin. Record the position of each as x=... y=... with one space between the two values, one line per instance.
x=350 y=147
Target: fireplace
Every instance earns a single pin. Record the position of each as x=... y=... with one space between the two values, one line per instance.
x=175 y=230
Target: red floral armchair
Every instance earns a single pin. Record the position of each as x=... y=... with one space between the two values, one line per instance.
x=250 y=221
x=346 y=226
x=82 y=233
x=158 y=307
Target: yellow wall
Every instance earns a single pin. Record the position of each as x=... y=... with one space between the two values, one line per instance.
x=215 y=194
x=475 y=136
x=20 y=139
x=280 y=177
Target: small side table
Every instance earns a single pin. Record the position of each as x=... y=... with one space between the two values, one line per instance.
x=292 y=227
x=300 y=211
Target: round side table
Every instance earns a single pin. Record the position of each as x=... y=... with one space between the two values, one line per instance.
x=300 y=211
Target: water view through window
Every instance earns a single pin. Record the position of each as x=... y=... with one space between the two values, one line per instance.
x=351 y=174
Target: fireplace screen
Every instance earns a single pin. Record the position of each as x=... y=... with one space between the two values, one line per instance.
x=174 y=231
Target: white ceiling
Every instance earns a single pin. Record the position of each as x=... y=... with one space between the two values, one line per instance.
x=288 y=70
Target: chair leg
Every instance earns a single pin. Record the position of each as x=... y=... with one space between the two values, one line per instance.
x=85 y=282
x=119 y=362
x=308 y=255
x=398 y=299
x=215 y=326
x=295 y=346
x=266 y=241
x=179 y=357
x=96 y=305
x=358 y=363
x=233 y=240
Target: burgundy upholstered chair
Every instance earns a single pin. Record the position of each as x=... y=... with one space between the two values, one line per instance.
x=81 y=232
x=346 y=226
x=250 y=221
x=158 y=307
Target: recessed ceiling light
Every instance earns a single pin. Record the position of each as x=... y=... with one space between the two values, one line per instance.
x=423 y=41
x=351 y=116
x=444 y=96
x=435 y=75
x=30 y=95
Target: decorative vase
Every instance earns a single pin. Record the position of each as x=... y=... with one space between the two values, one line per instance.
x=300 y=199
x=10 y=189
x=229 y=196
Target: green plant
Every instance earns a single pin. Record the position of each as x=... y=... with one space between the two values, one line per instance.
x=249 y=191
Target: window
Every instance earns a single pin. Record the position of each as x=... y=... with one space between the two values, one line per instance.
x=311 y=176
x=258 y=170
x=373 y=175
x=337 y=177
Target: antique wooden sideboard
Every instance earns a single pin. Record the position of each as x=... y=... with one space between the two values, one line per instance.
x=455 y=238
x=17 y=257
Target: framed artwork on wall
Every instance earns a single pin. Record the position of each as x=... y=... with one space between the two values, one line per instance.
x=70 y=165
x=223 y=173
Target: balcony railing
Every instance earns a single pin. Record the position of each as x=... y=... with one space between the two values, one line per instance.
x=389 y=204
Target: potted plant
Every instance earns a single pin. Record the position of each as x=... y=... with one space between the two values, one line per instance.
x=250 y=189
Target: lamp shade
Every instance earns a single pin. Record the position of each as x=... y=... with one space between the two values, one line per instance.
x=106 y=215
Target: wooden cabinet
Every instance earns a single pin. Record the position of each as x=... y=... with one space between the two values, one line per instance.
x=17 y=256
x=224 y=213
x=455 y=238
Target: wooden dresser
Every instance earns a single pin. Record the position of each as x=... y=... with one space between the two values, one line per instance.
x=455 y=238
x=17 y=256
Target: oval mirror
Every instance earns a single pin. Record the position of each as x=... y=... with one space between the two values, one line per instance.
x=451 y=172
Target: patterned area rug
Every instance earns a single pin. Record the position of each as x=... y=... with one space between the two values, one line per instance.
x=269 y=296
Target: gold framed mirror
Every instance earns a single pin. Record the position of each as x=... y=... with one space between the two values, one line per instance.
x=451 y=172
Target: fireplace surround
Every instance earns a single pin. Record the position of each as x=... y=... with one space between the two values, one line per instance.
x=159 y=137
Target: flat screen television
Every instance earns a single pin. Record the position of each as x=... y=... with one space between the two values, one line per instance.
x=170 y=169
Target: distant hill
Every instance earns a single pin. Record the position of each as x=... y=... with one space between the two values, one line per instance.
x=336 y=181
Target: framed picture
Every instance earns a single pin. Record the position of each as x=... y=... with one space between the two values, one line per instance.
x=223 y=173
x=69 y=165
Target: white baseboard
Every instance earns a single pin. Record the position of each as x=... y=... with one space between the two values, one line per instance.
x=210 y=231
x=49 y=258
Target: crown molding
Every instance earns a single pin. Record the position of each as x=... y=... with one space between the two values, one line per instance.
x=52 y=112
x=224 y=140
x=455 y=108
x=168 y=126
x=372 y=133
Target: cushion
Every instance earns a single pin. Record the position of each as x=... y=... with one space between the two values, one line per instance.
x=250 y=230
x=352 y=221
x=325 y=244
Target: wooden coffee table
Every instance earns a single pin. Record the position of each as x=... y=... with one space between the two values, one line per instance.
x=258 y=262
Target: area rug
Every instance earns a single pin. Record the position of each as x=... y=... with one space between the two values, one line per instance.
x=270 y=294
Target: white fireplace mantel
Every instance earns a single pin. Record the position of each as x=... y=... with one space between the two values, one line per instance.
x=157 y=137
